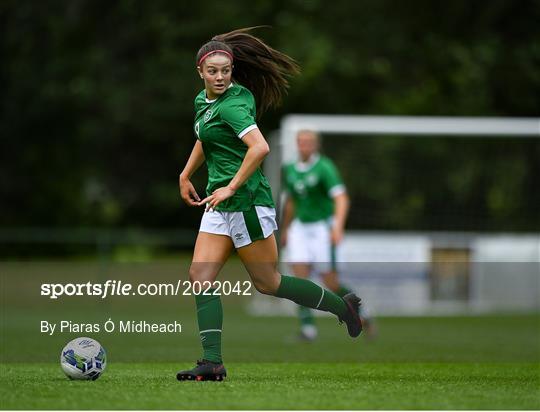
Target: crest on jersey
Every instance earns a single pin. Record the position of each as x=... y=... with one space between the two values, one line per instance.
x=312 y=179
x=300 y=187
x=207 y=115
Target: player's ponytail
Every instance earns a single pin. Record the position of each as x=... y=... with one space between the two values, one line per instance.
x=257 y=66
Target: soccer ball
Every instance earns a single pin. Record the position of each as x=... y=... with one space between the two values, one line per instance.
x=83 y=359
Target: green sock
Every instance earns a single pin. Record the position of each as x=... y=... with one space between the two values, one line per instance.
x=342 y=290
x=306 y=316
x=306 y=293
x=210 y=319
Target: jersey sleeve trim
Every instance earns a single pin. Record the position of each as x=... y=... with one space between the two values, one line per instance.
x=337 y=190
x=247 y=130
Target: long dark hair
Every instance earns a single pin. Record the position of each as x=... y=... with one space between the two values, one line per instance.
x=257 y=66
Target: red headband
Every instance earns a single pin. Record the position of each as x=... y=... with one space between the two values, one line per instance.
x=212 y=52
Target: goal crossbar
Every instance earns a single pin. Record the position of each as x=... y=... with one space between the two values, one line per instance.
x=404 y=126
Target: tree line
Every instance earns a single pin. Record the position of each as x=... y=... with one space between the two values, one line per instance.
x=97 y=106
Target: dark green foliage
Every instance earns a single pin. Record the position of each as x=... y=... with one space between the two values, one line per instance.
x=97 y=105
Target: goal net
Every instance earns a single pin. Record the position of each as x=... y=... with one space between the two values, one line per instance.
x=416 y=238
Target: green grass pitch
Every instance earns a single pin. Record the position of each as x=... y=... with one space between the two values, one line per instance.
x=471 y=362
x=280 y=386
x=404 y=368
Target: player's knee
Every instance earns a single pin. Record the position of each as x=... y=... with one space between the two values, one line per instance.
x=193 y=275
x=200 y=272
x=262 y=287
x=265 y=286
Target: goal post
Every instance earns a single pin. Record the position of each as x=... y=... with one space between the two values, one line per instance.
x=403 y=126
x=283 y=142
x=394 y=270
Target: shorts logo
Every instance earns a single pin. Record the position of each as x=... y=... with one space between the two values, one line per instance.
x=207 y=115
x=238 y=236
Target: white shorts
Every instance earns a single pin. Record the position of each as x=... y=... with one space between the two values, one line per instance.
x=311 y=243
x=242 y=227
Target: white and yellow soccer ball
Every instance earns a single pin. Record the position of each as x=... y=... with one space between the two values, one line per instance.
x=83 y=359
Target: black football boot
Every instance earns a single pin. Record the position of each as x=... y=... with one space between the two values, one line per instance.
x=351 y=317
x=204 y=371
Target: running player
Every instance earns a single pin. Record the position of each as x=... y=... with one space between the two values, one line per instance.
x=314 y=219
x=241 y=75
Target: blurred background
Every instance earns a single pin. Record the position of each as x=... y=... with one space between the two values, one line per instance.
x=96 y=118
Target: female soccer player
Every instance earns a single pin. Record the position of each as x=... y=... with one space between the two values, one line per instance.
x=313 y=222
x=241 y=74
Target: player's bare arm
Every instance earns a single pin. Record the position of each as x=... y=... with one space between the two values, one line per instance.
x=187 y=190
x=288 y=215
x=258 y=149
x=341 y=210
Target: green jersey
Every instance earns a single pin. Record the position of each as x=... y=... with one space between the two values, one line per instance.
x=312 y=188
x=220 y=125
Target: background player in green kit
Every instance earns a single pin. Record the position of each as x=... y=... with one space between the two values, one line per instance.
x=314 y=219
x=241 y=75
